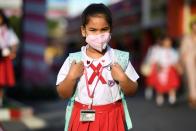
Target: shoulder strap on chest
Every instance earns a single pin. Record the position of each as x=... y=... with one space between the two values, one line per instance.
x=122 y=58
x=77 y=56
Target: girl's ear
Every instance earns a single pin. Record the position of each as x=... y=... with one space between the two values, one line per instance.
x=83 y=32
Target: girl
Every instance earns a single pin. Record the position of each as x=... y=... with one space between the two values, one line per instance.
x=148 y=69
x=8 y=47
x=166 y=76
x=96 y=82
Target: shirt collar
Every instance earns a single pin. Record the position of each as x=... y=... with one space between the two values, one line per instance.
x=105 y=60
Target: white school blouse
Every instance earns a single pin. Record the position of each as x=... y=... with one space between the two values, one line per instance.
x=166 y=57
x=151 y=54
x=7 y=37
x=104 y=93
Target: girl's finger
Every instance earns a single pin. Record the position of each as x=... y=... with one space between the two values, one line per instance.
x=73 y=62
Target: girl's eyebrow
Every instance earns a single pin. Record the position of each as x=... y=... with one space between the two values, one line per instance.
x=106 y=27
x=92 y=28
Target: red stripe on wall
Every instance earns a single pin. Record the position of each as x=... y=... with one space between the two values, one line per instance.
x=34 y=17
x=35 y=38
x=15 y=113
x=35 y=57
x=35 y=1
x=35 y=76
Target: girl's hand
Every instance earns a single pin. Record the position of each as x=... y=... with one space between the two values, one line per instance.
x=12 y=56
x=117 y=72
x=76 y=70
x=128 y=86
x=13 y=51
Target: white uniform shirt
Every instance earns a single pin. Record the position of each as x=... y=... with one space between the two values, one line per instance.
x=166 y=57
x=104 y=93
x=155 y=50
x=7 y=37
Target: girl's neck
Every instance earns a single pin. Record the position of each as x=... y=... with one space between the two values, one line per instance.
x=3 y=26
x=94 y=53
x=167 y=47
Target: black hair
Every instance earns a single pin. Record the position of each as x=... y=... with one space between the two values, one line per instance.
x=94 y=10
x=5 y=20
x=164 y=36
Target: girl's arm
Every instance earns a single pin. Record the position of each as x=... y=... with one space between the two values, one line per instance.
x=14 y=41
x=13 y=51
x=128 y=86
x=66 y=88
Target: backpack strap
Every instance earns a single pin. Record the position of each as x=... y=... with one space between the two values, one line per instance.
x=69 y=109
x=122 y=58
x=77 y=56
x=126 y=111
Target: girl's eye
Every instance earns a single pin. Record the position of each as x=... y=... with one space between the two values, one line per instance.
x=105 y=29
x=92 y=30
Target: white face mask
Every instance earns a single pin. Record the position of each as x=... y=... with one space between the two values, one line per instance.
x=98 y=42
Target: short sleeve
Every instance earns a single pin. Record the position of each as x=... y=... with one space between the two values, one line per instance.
x=63 y=71
x=13 y=39
x=131 y=73
x=176 y=56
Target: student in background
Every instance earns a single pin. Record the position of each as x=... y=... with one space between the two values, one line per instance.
x=8 y=48
x=167 y=79
x=148 y=69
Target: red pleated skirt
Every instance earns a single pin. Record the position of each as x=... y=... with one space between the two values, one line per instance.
x=151 y=79
x=167 y=80
x=108 y=117
x=6 y=72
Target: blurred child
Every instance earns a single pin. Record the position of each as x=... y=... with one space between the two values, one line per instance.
x=96 y=78
x=148 y=69
x=8 y=47
x=166 y=76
